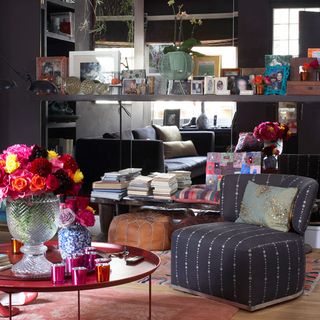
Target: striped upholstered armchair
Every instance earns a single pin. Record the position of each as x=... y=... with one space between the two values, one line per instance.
x=248 y=265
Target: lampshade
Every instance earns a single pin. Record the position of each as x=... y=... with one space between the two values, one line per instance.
x=7 y=84
x=41 y=87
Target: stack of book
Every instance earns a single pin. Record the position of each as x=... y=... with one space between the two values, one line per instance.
x=140 y=187
x=164 y=185
x=183 y=178
x=4 y=262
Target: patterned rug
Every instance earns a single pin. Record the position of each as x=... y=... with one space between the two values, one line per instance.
x=312 y=276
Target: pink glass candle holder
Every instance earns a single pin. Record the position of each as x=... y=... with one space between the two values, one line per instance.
x=103 y=272
x=72 y=262
x=58 y=273
x=90 y=258
x=89 y=249
x=81 y=257
x=79 y=275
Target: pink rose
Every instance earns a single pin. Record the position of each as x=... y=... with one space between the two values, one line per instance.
x=22 y=151
x=52 y=183
x=2 y=175
x=71 y=203
x=66 y=216
x=85 y=218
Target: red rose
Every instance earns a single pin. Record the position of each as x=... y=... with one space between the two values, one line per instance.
x=85 y=218
x=52 y=183
x=314 y=64
x=68 y=162
x=71 y=204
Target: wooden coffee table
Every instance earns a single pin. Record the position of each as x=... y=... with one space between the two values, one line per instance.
x=120 y=272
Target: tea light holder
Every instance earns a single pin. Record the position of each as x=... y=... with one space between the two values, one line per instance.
x=79 y=275
x=16 y=245
x=103 y=272
x=72 y=262
x=58 y=273
x=89 y=260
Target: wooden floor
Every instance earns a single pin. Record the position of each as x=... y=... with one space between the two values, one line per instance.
x=302 y=308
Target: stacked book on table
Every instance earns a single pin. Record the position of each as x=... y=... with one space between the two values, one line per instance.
x=183 y=178
x=164 y=185
x=140 y=187
x=113 y=185
x=4 y=262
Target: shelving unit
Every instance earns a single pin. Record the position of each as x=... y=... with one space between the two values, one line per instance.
x=57 y=130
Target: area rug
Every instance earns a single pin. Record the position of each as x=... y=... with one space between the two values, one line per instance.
x=312 y=276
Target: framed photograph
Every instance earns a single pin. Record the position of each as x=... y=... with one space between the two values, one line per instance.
x=171 y=117
x=54 y=69
x=153 y=55
x=207 y=66
x=220 y=84
x=208 y=85
x=196 y=87
x=242 y=84
x=133 y=74
x=100 y=66
x=255 y=71
x=62 y=22
x=129 y=86
x=277 y=60
x=278 y=80
x=230 y=72
x=182 y=87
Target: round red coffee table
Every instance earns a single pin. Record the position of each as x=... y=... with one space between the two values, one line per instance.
x=120 y=272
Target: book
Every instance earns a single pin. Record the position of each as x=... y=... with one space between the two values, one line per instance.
x=8 y=266
x=108 y=195
x=109 y=185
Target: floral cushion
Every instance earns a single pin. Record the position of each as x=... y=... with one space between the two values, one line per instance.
x=248 y=142
x=267 y=206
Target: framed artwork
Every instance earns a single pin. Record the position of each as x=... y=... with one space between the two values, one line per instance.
x=242 y=84
x=182 y=87
x=129 y=86
x=220 y=84
x=54 y=69
x=231 y=74
x=207 y=66
x=196 y=87
x=255 y=71
x=208 y=85
x=100 y=66
x=278 y=80
x=287 y=113
x=133 y=74
x=277 y=60
x=171 y=117
x=153 y=55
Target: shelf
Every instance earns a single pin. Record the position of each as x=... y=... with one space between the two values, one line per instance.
x=61 y=125
x=58 y=36
x=61 y=4
x=233 y=98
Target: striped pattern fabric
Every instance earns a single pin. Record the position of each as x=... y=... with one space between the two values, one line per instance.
x=246 y=264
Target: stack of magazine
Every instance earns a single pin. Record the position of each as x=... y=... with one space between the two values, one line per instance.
x=164 y=186
x=183 y=178
x=140 y=187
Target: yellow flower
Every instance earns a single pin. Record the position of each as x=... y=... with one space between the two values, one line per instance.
x=90 y=209
x=52 y=154
x=11 y=163
x=78 y=176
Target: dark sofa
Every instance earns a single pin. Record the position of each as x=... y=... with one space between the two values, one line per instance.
x=99 y=155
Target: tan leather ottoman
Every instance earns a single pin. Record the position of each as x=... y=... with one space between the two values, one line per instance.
x=146 y=230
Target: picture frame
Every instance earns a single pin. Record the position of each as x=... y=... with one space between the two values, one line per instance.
x=208 y=85
x=272 y=60
x=54 y=69
x=220 y=85
x=133 y=74
x=287 y=113
x=171 y=117
x=207 y=66
x=153 y=56
x=278 y=80
x=129 y=86
x=100 y=66
x=181 y=87
x=231 y=74
x=197 y=87
x=242 y=84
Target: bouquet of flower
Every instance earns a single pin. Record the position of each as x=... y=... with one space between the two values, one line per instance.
x=261 y=80
x=27 y=171
x=76 y=211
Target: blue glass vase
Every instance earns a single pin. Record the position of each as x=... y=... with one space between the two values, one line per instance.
x=73 y=239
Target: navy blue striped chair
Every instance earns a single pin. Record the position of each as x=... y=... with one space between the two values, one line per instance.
x=248 y=265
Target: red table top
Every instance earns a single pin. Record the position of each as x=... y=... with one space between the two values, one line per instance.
x=120 y=272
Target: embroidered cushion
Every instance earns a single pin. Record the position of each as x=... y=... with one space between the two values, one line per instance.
x=177 y=149
x=267 y=206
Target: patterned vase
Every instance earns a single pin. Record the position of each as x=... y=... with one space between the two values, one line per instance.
x=33 y=221
x=73 y=239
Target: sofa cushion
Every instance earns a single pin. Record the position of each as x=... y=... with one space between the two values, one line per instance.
x=176 y=149
x=126 y=135
x=197 y=165
x=146 y=133
x=267 y=206
x=168 y=133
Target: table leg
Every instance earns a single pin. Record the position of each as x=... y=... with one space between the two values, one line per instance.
x=149 y=297
x=78 y=304
x=10 y=305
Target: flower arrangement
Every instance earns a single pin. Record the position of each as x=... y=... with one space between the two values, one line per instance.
x=76 y=211
x=28 y=171
x=270 y=133
x=314 y=64
x=261 y=80
x=185 y=45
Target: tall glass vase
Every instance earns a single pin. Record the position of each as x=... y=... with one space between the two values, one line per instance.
x=33 y=221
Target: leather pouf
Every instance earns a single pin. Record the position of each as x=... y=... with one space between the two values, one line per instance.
x=146 y=230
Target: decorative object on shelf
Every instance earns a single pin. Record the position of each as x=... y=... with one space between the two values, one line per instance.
x=129 y=86
x=133 y=74
x=72 y=85
x=196 y=86
x=260 y=83
x=220 y=85
x=153 y=56
x=272 y=135
x=53 y=69
x=203 y=121
x=242 y=84
x=277 y=60
x=102 y=88
x=304 y=72
x=87 y=87
x=60 y=109
x=207 y=66
x=62 y=23
x=75 y=216
x=30 y=177
x=231 y=74
x=171 y=117
x=208 y=85
x=181 y=87
x=316 y=67
x=150 y=84
x=278 y=76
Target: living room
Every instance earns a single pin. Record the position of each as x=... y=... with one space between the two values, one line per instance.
x=181 y=140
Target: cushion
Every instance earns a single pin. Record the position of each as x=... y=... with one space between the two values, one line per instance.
x=176 y=149
x=198 y=194
x=267 y=206
x=168 y=133
x=248 y=142
x=126 y=135
x=146 y=133
x=197 y=165
x=146 y=230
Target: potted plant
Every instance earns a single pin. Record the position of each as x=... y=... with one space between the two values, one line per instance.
x=176 y=64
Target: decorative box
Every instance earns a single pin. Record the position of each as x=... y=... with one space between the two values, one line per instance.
x=307 y=88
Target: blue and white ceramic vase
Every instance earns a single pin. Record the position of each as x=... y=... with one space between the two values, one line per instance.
x=73 y=239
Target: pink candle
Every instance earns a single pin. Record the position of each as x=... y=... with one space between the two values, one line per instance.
x=79 y=275
x=72 y=262
x=57 y=273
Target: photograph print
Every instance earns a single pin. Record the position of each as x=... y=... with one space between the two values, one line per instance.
x=129 y=86
x=171 y=117
x=278 y=76
x=208 y=85
x=242 y=84
x=220 y=85
x=196 y=87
